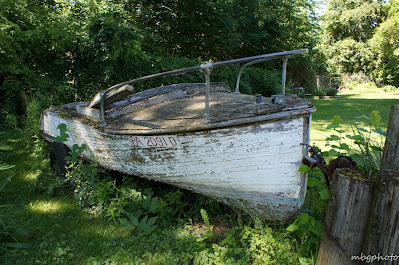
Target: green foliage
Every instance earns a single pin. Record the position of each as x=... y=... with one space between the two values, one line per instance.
x=364 y=145
x=361 y=36
x=54 y=52
x=355 y=19
x=308 y=224
x=232 y=28
x=385 y=46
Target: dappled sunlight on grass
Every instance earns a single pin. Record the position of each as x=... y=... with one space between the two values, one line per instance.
x=31 y=176
x=49 y=206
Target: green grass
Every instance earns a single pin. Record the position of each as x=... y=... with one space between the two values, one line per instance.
x=62 y=233
x=349 y=105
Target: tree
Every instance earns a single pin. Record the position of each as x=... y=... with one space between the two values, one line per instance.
x=225 y=29
x=385 y=46
x=347 y=27
x=221 y=29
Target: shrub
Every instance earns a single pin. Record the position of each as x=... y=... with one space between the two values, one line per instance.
x=390 y=88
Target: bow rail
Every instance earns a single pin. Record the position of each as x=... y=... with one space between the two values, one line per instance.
x=206 y=68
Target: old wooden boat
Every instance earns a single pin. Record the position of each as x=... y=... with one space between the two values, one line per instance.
x=241 y=149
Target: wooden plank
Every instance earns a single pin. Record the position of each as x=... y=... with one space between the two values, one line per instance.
x=383 y=230
x=113 y=96
x=390 y=157
x=187 y=114
x=123 y=110
x=191 y=88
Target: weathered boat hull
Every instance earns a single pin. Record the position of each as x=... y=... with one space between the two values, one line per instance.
x=252 y=165
x=237 y=148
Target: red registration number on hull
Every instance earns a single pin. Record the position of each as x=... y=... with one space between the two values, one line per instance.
x=164 y=141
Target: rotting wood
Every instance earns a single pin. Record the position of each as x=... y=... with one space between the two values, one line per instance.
x=189 y=88
x=112 y=97
x=344 y=224
x=390 y=157
x=383 y=230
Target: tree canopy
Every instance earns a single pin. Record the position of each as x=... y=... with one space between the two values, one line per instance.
x=67 y=50
x=362 y=36
x=62 y=50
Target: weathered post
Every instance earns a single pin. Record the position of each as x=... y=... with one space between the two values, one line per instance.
x=390 y=157
x=345 y=223
x=382 y=241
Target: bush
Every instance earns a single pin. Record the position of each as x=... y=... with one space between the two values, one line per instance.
x=390 y=88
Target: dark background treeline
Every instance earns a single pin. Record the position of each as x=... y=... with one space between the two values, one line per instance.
x=58 y=51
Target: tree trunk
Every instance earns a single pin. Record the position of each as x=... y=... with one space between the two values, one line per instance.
x=346 y=218
x=390 y=157
x=383 y=230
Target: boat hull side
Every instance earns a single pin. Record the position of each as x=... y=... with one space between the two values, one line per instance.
x=252 y=166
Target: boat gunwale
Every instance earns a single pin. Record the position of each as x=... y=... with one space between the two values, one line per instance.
x=282 y=114
x=216 y=125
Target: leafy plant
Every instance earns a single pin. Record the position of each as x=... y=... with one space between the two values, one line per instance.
x=364 y=145
x=208 y=235
x=308 y=224
x=137 y=216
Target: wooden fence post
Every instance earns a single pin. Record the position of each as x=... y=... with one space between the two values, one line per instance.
x=382 y=241
x=390 y=157
x=345 y=223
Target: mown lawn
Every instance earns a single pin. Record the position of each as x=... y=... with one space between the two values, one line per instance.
x=349 y=105
x=60 y=232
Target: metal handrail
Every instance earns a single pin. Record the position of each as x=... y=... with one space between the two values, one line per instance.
x=206 y=68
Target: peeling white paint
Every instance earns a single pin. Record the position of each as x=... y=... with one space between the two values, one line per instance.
x=253 y=166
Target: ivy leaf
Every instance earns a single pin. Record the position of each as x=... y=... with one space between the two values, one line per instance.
x=304 y=168
x=324 y=194
x=293 y=227
x=317 y=228
x=312 y=181
x=63 y=133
